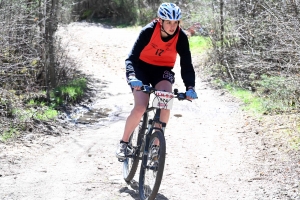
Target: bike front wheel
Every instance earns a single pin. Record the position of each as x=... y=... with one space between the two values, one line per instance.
x=152 y=168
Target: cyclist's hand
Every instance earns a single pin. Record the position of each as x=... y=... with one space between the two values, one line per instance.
x=191 y=94
x=135 y=83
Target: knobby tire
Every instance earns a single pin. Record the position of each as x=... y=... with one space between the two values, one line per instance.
x=143 y=187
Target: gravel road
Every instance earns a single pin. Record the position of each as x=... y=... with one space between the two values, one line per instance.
x=214 y=149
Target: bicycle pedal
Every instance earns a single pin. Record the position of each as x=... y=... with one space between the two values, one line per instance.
x=153 y=166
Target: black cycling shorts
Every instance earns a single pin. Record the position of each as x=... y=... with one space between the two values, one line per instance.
x=151 y=75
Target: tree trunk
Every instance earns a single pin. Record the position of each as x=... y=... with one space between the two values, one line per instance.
x=52 y=28
x=222 y=23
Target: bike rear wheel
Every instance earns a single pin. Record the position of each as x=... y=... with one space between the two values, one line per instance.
x=152 y=171
x=131 y=163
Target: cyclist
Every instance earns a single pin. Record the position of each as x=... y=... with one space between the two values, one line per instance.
x=151 y=61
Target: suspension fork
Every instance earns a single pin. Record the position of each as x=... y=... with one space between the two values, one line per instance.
x=147 y=136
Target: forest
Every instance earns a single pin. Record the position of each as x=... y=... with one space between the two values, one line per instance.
x=254 y=47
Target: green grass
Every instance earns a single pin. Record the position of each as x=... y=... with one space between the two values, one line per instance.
x=278 y=99
x=69 y=92
x=33 y=102
x=199 y=44
x=39 y=109
x=23 y=114
x=44 y=111
x=48 y=114
x=7 y=135
x=279 y=93
x=251 y=103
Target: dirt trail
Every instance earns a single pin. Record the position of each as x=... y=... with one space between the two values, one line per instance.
x=214 y=150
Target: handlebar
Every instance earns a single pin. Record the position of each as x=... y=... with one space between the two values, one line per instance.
x=179 y=95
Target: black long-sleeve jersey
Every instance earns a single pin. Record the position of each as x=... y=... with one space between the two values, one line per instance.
x=182 y=48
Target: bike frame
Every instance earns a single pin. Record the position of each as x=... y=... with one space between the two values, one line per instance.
x=148 y=126
x=147 y=129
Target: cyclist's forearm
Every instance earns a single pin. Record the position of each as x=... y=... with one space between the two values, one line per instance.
x=188 y=78
x=129 y=68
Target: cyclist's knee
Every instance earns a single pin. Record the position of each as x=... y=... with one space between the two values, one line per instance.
x=139 y=110
x=164 y=85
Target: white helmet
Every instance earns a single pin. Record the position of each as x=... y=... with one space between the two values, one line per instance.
x=169 y=11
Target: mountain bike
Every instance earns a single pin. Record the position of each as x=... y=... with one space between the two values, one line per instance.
x=147 y=143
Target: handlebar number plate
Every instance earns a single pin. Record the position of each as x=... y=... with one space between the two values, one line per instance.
x=163 y=100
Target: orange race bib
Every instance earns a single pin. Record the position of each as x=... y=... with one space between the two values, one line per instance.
x=158 y=52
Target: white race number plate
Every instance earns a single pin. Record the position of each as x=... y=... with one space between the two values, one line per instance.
x=163 y=100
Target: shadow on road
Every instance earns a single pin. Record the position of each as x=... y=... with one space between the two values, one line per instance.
x=133 y=191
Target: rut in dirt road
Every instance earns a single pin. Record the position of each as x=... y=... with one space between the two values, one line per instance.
x=213 y=149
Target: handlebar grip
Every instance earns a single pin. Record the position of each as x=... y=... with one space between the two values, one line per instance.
x=175 y=91
x=181 y=96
